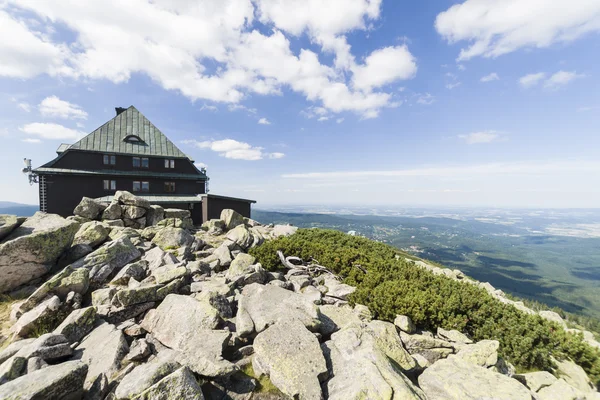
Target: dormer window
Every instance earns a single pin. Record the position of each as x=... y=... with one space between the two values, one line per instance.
x=169 y=163
x=133 y=139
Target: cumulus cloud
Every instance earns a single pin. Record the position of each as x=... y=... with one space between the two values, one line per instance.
x=31 y=140
x=493 y=28
x=233 y=149
x=264 y=121
x=480 y=137
x=179 y=43
x=531 y=80
x=491 y=77
x=51 y=131
x=56 y=108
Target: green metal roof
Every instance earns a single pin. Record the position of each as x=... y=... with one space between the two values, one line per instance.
x=166 y=199
x=62 y=148
x=102 y=172
x=109 y=137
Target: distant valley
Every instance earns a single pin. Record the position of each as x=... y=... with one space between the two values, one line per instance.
x=550 y=256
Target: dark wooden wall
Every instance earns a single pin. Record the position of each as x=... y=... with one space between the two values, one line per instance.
x=212 y=207
x=74 y=159
x=64 y=192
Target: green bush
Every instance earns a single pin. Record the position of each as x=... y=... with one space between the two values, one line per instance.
x=394 y=285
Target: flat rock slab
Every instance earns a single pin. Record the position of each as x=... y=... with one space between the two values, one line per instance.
x=33 y=248
x=180 y=385
x=361 y=369
x=102 y=350
x=7 y=224
x=54 y=382
x=263 y=305
x=187 y=325
x=291 y=356
x=145 y=375
x=455 y=379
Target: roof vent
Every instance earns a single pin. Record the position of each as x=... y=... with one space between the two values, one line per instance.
x=119 y=110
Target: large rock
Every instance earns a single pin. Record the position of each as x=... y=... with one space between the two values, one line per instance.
x=337 y=289
x=561 y=390
x=108 y=258
x=334 y=318
x=187 y=325
x=91 y=233
x=88 y=208
x=172 y=238
x=78 y=324
x=483 y=353
x=241 y=265
x=231 y=218
x=133 y=212
x=224 y=255
x=62 y=381
x=574 y=375
x=48 y=347
x=241 y=236
x=455 y=379
x=124 y=197
x=180 y=385
x=14 y=348
x=263 y=305
x=291 y=356
x=177 y=213
x=283 y=230
x=145 y=375
x=453 y=336
x=136 y=270
x=387 y=340
x=427 y=347
x=142 y=294
x=39 y=317
x=361 y=369
x=112 y=212
x=66 y=281
x=405 y=324
x=32 y=249
x=154 y=215
x=536 y=380
x=102 y=350
x=553 y=317
x=7 y=224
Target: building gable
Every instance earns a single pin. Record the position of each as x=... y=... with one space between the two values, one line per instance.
x=130 y=132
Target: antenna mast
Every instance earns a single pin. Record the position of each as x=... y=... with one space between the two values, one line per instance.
x=33 y=178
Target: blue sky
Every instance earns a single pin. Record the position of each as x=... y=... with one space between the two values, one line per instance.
x=471 y=103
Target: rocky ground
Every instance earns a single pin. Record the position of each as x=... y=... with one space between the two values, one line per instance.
x=129 y=301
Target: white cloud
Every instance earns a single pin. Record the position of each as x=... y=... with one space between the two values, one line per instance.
x=200 y=165
x=531 y=80
x=491 y=77
x=3 y=132
x=321 y=119
x=233 y=149
x=54 y=107
x=264 y=121
x=453 y=85
x=561 y=78
x=586 y=108
x=31 y=140
x=425 y=99
x=51 y=131
x=480 y=137
x=209 y=107
x=493 y=169
x=385 y=66
x=339 y=120
x=24 y=106
x=178 y=44
x=461 y=67
x=493 y=27
x=238 y=107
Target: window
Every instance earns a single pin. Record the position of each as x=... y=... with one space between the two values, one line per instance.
x=110 y=185
x=109 y=160
x=170 y=187
x=141 y=186
x=169 y=163
x=133 y=139
x=140 y=162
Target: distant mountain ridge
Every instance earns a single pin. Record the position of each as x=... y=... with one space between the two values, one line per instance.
x=22 y=210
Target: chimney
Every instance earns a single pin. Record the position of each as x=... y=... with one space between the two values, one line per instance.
x=119 y=110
